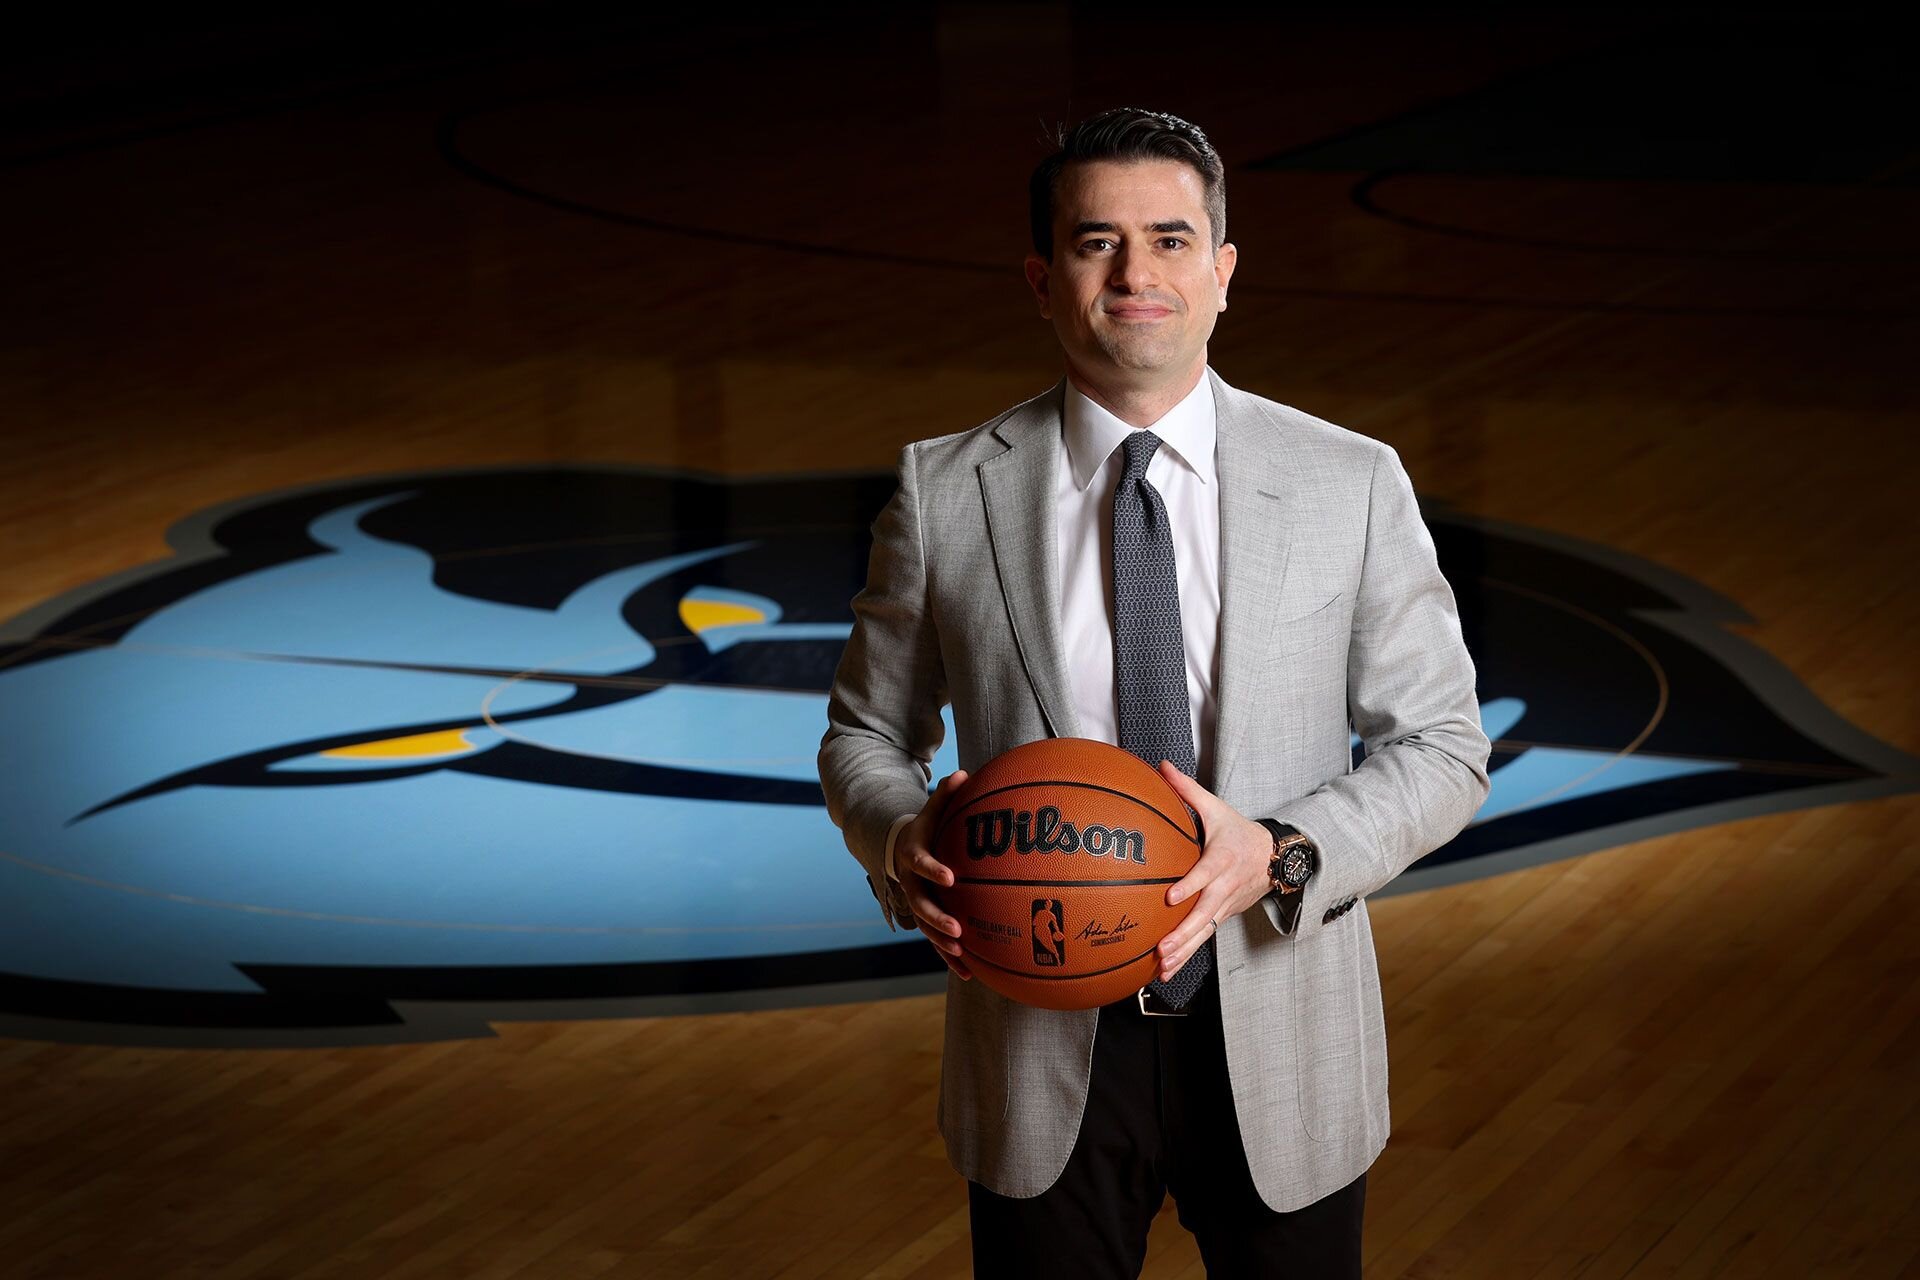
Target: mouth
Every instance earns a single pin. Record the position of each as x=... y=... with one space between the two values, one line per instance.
x=1139 y=313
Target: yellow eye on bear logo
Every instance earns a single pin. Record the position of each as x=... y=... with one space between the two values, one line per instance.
x=437 y=745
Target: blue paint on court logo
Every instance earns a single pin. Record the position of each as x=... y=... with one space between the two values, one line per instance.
x=387 y=760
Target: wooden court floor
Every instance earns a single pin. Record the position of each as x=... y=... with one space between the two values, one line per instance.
x=762 y=250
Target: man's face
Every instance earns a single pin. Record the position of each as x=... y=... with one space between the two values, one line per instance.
x=1134 y=285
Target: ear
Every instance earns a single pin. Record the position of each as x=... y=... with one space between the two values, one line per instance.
x=1223 y=263
x=1040 y=280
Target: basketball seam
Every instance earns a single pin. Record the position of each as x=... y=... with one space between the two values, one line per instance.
x=1059 y=977
x=1066 y=884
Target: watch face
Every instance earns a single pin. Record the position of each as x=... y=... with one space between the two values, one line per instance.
x=1295 y=865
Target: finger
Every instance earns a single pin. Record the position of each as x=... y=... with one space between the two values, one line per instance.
x=1184 y=786
x=950 y=952
x=951 y=946
x=1185 y=940
x=1191 y=884
x=1191 y=793
x=1174 y=963
x=919 y=858
x=948 y=785
x=911 y=838
x=1173 y=953
x=932 y=868
x=929 y=912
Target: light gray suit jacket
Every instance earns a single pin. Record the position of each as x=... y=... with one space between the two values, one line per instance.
x=1332 y=606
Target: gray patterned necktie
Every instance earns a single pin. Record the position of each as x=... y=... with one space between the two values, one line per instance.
x=1149 y=658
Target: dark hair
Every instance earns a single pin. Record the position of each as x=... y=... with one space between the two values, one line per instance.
x=1127 y=134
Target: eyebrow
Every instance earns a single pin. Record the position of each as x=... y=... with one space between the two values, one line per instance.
x=1177 y=224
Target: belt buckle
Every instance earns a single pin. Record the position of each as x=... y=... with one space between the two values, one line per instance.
x=1146 y=997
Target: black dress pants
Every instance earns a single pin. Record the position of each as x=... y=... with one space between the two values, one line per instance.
x=1160 y=1117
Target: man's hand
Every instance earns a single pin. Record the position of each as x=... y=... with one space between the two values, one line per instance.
x=1230 y=876
x=919 y=871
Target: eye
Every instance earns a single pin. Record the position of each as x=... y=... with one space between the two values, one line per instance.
x=1172 y=240
x=1088 y=244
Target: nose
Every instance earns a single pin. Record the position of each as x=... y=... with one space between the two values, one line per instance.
x=1133 y=270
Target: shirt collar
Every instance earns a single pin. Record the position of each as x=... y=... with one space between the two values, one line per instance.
x=1092 y=433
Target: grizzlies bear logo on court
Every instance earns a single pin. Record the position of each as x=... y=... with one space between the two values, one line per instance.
x=388 y=759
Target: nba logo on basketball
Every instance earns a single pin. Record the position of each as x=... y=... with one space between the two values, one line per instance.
x=1049 y=933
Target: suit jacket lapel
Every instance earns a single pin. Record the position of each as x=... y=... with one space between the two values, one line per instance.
x=1018 y=487
x=1260 y=507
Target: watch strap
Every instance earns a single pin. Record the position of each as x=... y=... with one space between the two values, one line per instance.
x=1287 y=905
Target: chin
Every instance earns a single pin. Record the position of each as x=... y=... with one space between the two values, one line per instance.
x=1143 y=357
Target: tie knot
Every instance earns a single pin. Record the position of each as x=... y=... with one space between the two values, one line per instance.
x=1139 y=445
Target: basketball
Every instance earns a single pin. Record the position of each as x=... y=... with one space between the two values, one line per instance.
x=1062 y=851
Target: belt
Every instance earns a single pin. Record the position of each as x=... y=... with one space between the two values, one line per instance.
x=1154 y=1007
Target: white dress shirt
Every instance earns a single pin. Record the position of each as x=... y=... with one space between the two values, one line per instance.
x=1091 y=463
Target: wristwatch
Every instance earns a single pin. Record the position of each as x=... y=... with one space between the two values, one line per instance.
x=1295 y=859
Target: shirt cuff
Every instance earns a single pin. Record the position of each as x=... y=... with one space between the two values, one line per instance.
x=893 y=833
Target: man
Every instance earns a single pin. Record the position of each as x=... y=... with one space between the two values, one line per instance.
x=1056 y=571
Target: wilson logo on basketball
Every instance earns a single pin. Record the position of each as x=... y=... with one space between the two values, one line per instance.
x=993 y=832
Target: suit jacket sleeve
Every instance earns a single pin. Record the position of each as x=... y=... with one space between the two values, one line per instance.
x=1411 y=696
x=883 y=712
